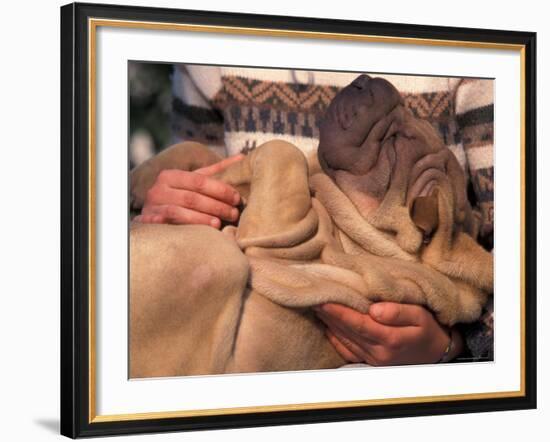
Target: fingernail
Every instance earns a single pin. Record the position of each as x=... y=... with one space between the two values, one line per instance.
x=375 y=310
x=236 y=199
x=215 y=222
x=234 y=213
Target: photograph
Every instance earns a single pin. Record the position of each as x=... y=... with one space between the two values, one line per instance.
x=286 y=219
x=276 y=220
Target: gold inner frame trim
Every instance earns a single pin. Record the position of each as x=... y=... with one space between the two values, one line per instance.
x=93 y=24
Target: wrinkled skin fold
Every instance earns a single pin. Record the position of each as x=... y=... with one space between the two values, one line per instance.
x=382 y=216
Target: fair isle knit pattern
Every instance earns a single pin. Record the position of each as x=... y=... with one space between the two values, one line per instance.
x=236 y=109
x=475 y=116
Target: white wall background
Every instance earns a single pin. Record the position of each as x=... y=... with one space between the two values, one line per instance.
x=29 y=220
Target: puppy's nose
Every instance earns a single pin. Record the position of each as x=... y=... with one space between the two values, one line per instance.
x=361 y=81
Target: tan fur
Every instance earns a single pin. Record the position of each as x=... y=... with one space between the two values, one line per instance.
x=204 y=301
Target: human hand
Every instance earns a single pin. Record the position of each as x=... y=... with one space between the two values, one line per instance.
x=389 y=334
x=181 y=197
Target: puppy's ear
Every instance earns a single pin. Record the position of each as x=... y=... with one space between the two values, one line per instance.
x=424 y=213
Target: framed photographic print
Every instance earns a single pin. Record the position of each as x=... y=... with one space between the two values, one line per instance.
x=274 y=220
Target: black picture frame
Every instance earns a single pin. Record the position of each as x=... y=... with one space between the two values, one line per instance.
x=75 y=220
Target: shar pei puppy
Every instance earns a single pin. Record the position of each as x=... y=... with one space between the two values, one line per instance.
x=379 y=214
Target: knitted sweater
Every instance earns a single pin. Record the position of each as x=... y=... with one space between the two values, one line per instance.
x=234 y=109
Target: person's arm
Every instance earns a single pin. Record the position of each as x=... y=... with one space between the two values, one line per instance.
x=390 y=334
x=194 y=114
x=474 y=117
x=474 y=109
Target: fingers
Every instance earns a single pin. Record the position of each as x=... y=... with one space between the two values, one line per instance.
x=341 y=345
x=400 y=334
x=220 y=166
x=202 y=203
x=176 y=215
x=161 y=196
x=358 y=349
x=181 y=197
x=354 y=322
x=199 y=183
x=341 y=328
x=149 y=219
x=398 y=315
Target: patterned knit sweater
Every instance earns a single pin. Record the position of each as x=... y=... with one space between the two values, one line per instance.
x=234 y=109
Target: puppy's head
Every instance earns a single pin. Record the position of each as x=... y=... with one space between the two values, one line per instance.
x=387 y=160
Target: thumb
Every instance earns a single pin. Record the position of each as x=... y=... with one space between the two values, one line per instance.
x=396 y=314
